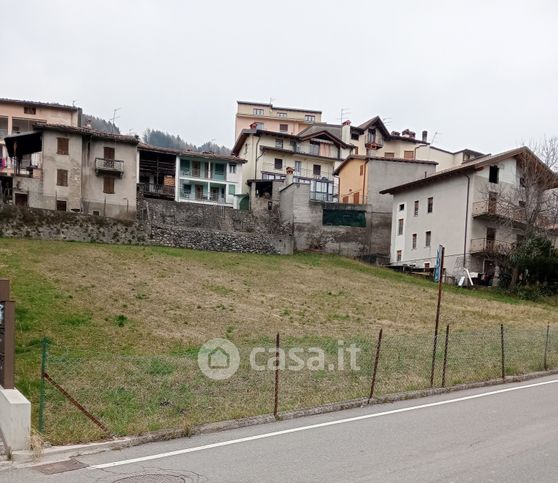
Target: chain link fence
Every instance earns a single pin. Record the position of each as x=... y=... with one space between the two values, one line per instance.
x=86 y=396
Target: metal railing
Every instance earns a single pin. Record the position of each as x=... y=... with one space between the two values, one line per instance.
x=158 y=189
x=300 y=173
x=311 y=151
x=493 y=208
x=109 y=165
x=202 y=174
x=487 y=245
x=211 y=197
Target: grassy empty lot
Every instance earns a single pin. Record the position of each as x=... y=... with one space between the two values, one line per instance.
x=125 y=324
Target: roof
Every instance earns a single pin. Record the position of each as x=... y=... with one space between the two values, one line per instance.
x=378 y=123
x=301 y=155
x=266 y=104
x=85 y=131
x=52 y=105
x=191 y=154
x=523 y=153
x=380 y=158
x=333 y=129
x=301 y=136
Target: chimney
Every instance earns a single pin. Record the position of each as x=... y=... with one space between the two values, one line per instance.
x=412 y=134
x=405 y=132
x=346 y=132
x=88 y=124
x=424 y=136
x=290 y=173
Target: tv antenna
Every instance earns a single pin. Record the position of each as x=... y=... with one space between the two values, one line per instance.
x=114 y=118
x=344 y=113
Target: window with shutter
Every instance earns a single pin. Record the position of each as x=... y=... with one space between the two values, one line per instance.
x=61 y=177
x=62 y=146
x=108 y=185
x=108 y=153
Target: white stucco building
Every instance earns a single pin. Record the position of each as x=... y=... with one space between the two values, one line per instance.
x=458 y=208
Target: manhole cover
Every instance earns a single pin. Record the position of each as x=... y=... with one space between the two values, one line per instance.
x=155 y=478
x=60 y=467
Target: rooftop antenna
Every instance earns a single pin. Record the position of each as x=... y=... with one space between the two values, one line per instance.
x=114 y=118
x=271 y=99
x=434 y=137
x=343 y=114
x=74 y=102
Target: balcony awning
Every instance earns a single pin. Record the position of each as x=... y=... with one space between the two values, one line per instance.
x=24 y=143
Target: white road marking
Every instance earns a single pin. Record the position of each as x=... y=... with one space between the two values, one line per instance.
x=315 y=426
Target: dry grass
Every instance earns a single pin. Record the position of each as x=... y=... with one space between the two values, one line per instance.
x=125 y=324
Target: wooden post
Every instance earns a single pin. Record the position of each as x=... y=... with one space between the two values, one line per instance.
x=503 y=352
x=546 y=347
x=7 y=336
x=437 y=324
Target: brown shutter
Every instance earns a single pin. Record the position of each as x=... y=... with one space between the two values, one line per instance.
x=108 y=185
x=108 y=153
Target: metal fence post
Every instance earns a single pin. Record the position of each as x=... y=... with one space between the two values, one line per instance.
x=438 y=306
x=375 y=370
x=445 y=357
x=276 y=396
x=44 y=346
x=503 y=352
x=546 y=347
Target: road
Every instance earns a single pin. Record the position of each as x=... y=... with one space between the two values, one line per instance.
x=501 y=433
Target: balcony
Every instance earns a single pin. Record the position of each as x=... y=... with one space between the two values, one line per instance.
x=205 y=198
x=312 y=150
x=158 y=190
x=492 y=209
x=489 y=246
x=325 y=172
x=109 y=166
x=199 y=173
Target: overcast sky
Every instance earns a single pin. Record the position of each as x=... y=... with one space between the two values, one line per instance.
x=480 y=74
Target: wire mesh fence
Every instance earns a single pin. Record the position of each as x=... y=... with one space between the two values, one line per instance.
x=135 y=394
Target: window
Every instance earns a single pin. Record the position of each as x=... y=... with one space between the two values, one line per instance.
x=428 y=238
x=298 y=167
x=281 y=114
x=258 y=111
x=401 y=206
x=232 y=189
x=345 y=199
x=62 y=177
x=62 y=145
x=96 y=213
x=388 y=155
x=108 y=152
x=430 y=205
x=279 y=143
x=361 y=169
x=414 y=241
x=316 y=170
x=108 y=185
x=314 y=148
x=356 y=198
x=309 y=118
x=371 y=135
x=30 y=110
x=416 y=208
x=521 y=204
x=400 y=226
x=283 y=127
x=522 y=182
x=426 y=265
x=354 y=136
x=408 y=155
x=278 y=163
x=61 y=205
x=493 y=174
x=399 y=255
x=232 y=168
x=259 y=125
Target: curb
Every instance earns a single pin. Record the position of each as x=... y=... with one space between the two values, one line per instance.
x=59 y=453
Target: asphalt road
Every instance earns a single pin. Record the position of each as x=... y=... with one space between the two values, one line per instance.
x=502 y=433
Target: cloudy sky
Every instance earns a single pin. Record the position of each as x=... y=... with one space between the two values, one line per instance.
x=479 y=74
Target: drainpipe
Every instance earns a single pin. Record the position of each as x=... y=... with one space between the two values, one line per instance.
x=466 y=220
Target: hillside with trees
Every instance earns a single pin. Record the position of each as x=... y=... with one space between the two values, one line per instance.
x=174 y=141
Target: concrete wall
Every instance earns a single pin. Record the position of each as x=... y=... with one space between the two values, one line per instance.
x=15 y=420
x=306 y=218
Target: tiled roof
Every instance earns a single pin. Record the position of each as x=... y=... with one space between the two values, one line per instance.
x=53 y=105
x=84 y=131
x=186 y=153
